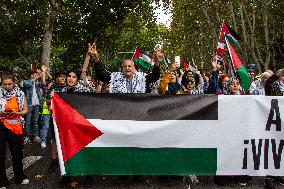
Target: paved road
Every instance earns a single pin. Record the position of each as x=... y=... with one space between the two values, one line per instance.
x=39 y=178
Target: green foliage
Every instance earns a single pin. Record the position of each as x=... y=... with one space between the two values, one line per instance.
x=117 y=26
x=196 y=26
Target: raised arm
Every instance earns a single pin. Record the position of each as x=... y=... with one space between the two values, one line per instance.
x=155 y=74
x=102 y=74
x=213 y=84
x=87 y=60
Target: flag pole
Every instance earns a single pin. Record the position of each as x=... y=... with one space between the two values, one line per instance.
x=232 y=71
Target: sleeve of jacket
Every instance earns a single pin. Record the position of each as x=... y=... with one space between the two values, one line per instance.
x=154 y=76
x=102 y=74
x=162 y=88
x=27 y=83
x=213 y=84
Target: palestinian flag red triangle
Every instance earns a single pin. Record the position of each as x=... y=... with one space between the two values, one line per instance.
x=75 y=132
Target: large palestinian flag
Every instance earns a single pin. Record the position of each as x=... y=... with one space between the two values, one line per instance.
x=144 y=134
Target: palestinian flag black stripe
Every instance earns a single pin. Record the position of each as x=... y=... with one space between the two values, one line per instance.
x=144 y=107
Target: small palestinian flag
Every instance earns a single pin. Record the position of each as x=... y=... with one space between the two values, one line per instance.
x=143 y=61
x=32 y=69
x=185 y=64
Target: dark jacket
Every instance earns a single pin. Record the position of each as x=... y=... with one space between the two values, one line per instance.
x=274 y=90
x=268 y=87
x=104 y=76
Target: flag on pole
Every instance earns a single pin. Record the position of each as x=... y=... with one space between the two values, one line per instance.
x=32 y=69
x=143 y=61
x=232 y=36
x=185 y=64
x=238 y=67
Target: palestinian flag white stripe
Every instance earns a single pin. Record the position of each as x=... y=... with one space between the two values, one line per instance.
x=59 y=149
x=155 y=134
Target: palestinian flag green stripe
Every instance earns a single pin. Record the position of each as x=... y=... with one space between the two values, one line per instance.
x=243 y=74
x=142 y=60
x=143 y=161
x=143 y=65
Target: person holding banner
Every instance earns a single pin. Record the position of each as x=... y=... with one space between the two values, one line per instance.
x=217 y=81
x=13 y=106
x=257 y=86
x=73 y=84
x=233 y=87
x=194 y=85
x=129 y=80
x=56 y=87
x=169 y=83
x=277 y=88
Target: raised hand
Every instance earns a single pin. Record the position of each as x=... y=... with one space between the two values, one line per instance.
x=157 y=57
x=198 y=72
x=173 y=67
x=160 y=56
x=43 y=68
x=215 y=65
x=193 y=62
x=92 y=51
x=205 y=76
x=181 y=72
x=52 y=93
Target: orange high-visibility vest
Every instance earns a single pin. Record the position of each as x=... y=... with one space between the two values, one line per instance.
x=13 y=123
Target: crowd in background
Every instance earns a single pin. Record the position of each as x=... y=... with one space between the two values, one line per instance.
x=36 y=93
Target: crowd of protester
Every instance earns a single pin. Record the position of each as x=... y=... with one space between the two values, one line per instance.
x=26 y=116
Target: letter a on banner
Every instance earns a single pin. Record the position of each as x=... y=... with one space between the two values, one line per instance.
x=277 y=121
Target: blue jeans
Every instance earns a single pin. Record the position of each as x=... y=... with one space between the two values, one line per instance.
x=46 y=121
x=32 y=117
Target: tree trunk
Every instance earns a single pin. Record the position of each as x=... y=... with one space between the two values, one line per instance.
x=244 y=34
x=211 y=25
x=233 y=16
x=265 y=26
x=253 y=41
x=47 y=38
x=274 y=41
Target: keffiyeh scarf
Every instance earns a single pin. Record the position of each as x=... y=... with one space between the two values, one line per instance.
x=81 y=86
x=118 y=83
x=5 y=96
x=227 y=90
x=280 y=85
